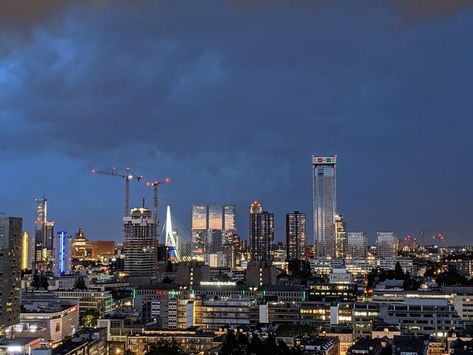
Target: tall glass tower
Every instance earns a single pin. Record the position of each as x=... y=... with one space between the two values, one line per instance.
x=324 y=198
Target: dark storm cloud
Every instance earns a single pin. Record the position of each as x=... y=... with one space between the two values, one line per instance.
x=230 y=99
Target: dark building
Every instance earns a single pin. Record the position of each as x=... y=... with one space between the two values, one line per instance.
x=366 y=346
x=404 y=344
x=261 y=232
x=10 y=270
x=296 y=240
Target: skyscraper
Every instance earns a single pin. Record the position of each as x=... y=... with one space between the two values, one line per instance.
x=357 y=244
x=62 y=254
x=44 y=236
x=215 y=228
x=340 y=237
x=324 y=199
x=261 y=232
x=10 y=270
x=199 y=231
x=386 y=245
x=295 y=235
x=229 y=218
x=141 y=245
x=25 y=251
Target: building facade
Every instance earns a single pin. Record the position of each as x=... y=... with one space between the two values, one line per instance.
x=324 y=204
x=44 y=236
x=10 y=270
x=357 y=244
x=386 y=245
x=296 y=240
x=141 y=244
x=261 y=232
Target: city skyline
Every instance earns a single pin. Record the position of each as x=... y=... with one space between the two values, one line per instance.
x=398 y=111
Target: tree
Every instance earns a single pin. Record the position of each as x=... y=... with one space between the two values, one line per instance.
x=80 y=284
x=89 y=318
x=164 y=347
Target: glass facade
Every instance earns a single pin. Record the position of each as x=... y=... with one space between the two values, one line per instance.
x=324 y=205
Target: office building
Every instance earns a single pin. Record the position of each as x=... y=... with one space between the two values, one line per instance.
x=199 y=231
x=229 y=214
x=62 y=254
x=44 y=236
x=386 y=245
x=10 y=270
x=261 y=232
x=141 y=245
x=215 y=228
x=324 y=197
x=341 y=244
x=357 y=245
x=295 y=235
x=49 y=318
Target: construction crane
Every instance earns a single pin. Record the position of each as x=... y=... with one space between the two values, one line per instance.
x=155 y=184
x=125 y=174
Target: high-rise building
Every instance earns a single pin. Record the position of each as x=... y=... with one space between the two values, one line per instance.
x=324 y=204
x=261 y=232
x=340 y=237
x=357 y=244
x=141 y=245
x=10 y=270
x=215 y=228
x=44 y=236
x=295 y=235
x=386 y=245
x=229 y=218
x=215 y=217
x=25 y=251
x=199 y=231
x=62 y=254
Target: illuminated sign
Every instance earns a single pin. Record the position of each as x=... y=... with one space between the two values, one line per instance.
x=217 y=283
x=324 y=160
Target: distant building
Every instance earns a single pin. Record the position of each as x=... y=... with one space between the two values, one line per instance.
x=324 y=204
x=366 y=346
x=141 y=245
x=44 y=236
x=261 y=232
x=85 y=249
x=62 y=254
x=386 y=245
x=199 y=231
x=296 y=240
x=25 y=252
x=357 y=244
x=10 y=270
x=341 y=245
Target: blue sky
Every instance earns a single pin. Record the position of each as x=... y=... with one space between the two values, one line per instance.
x=230 y=99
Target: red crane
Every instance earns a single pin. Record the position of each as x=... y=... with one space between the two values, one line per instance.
x=125 y=174
x=155 y=184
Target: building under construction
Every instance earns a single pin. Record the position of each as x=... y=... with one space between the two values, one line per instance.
x=141 y=244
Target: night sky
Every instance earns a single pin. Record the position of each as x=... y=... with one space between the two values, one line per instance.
x=230 y=99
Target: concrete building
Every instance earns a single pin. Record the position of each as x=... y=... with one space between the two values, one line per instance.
x=296 y=238
x=141 y=244
x=260 y=273
x=192 y=273
x=90 y=299
x=10 y=270
x=324 y=200
x=386 y=245
x=49 y=318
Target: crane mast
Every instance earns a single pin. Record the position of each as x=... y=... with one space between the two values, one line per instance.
x=155 y=184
